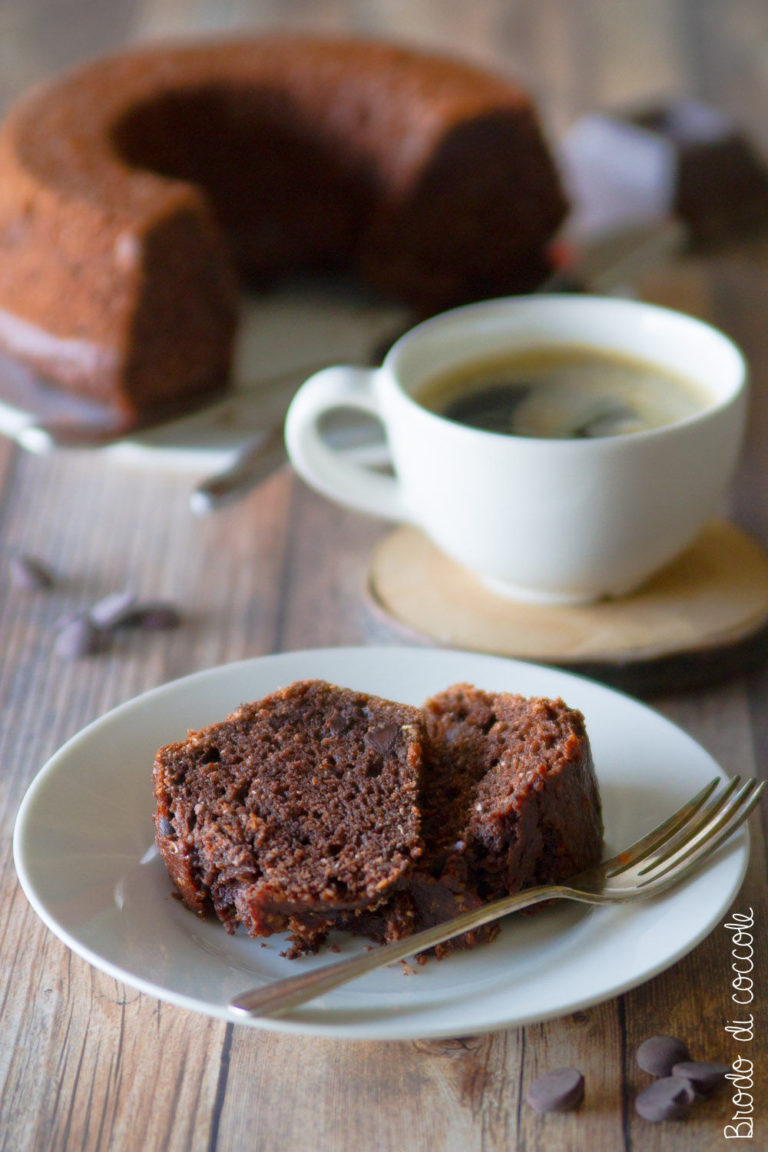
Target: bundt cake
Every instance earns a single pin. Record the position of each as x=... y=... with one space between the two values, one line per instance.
x=138 y=191
x=320 y=807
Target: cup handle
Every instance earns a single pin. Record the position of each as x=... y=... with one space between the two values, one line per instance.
x=325 y=468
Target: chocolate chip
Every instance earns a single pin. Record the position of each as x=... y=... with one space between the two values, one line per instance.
x=667 y=1099
x=113 y=611
x=157 y=615
x=702 y=1076
x=383 y=739
x=31 y=574
x=164 y=826
x=339 y=722
x=557 y=1091
x=123 y=610
x=80 y=637
x=657 y=1054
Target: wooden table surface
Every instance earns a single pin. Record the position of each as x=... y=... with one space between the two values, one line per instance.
x=86 y=1063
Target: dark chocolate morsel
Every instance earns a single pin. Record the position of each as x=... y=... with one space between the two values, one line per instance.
x=123 y=610
x=80 y=637
x=557 y=1091
x=30 y=573
x=339 y=722
x=164 y=826
x=667 y=1099
x=703 y=1076
x=113 y=611
x=157 y=615
x=657 y=1054
x=383 y=739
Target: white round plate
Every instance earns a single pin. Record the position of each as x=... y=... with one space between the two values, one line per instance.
x=85 y=856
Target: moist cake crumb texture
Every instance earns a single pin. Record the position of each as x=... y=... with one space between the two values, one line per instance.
x=297 y=806
x=511 y=797
x=320 y=807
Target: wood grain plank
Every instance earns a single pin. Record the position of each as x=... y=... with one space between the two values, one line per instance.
x=326 y=572
x=447 y=1094
x=105 y=1049
x=693 y=1000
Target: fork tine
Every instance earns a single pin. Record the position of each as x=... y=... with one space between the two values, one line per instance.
x=706 y=817
x=710 y=838
x=657 y=836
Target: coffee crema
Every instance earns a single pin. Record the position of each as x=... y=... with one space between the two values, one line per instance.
x=566 y=392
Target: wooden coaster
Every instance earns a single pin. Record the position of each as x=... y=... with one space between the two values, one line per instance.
x=704 y=616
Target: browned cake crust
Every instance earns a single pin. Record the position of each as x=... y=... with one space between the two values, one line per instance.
x=320 y=807
x=132 y=189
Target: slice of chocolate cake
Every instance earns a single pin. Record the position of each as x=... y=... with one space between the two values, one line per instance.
x=511 y=797
x=292 y=809
x=321 y=807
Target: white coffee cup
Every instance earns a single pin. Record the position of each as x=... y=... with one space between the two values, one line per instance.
x=542 y=520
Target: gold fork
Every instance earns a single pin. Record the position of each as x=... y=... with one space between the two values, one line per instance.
x=655 y=863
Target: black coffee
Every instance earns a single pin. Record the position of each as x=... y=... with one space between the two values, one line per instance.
x=564 y=392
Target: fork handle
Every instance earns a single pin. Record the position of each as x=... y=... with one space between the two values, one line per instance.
x=279 y=996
